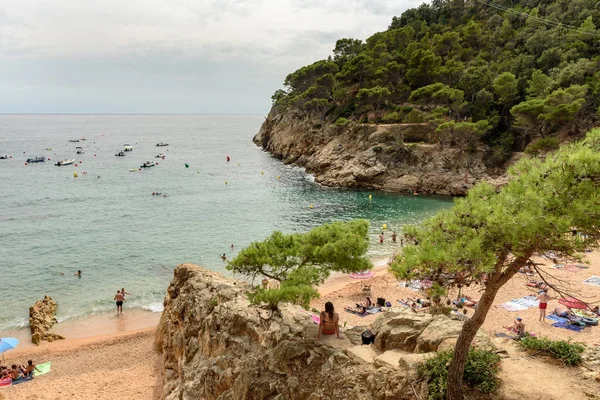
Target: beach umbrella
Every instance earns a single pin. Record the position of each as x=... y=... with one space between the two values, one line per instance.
x=362 y=275
x=7 y=344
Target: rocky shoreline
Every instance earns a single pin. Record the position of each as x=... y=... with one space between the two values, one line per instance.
x=392 y=157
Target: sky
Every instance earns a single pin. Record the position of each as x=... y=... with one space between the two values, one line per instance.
x=169 y=56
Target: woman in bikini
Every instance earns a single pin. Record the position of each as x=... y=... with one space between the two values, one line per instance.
x=329 y=322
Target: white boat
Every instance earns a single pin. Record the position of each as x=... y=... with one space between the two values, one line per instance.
x=127 y=147
x=148 y=164
x=120 y=154
x=80 y=150
x=161 y=144
x=74 y=140
x=160 y=155
x=64 y=162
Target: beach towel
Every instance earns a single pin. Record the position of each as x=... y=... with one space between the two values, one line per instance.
x=22 y=380
x=373 y=310
x=520 y=304
x=557 y=266
x=357 y=313
x=571 y=268
x=508 y=306
x=556 y=318
x=570 y=327
x=42 y=369
x=572 y=303
x=315 y=319
x=502 y=334
x=6 y=382
x=594 y=280
x=582 y=266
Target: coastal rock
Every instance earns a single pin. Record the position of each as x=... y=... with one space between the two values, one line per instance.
x=216 y=345
x=42 y=319
x=399 y=329
x=393 y=157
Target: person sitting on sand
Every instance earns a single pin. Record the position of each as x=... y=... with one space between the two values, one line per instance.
x=518 y=328
x=4 y=372
x=15 y=373
x=329 y=322
x=29 y=368
x=596 y=310
x=563 y=312
x=366 y=304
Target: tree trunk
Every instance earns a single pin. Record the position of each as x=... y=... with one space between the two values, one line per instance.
x=470 y=327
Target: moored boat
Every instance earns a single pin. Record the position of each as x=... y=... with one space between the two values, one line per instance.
x=160 y=155
x=161 y=144
x=74 y=140
x=36 y=159
x=120 y=154
x=3 y=157
x=64 y=162
x=80 y=150
x=148 y=164
x=127 y=147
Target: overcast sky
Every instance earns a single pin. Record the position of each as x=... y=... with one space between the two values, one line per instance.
x=168 y=56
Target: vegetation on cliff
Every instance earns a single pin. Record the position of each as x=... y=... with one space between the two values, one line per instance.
x=485 y=238
x=300 y=261
x=505 y=73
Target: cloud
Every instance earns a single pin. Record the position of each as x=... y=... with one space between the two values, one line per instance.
x=191 y=49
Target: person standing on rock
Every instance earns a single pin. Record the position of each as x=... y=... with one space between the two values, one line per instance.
x=119 y=298
x=329 y=322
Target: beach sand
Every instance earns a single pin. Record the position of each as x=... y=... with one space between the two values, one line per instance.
x=119 y=360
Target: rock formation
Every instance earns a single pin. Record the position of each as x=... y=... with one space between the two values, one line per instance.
x=379 y=157
x=42 y=319
x=215 y=345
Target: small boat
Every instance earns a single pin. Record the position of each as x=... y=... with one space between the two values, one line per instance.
x=148 y=164
x=133 y=170
x=74 y=140
x=36 y=159
x=161 y=144
x=120 y=154
x=64 y=162
x=80 y=150
x=160 y=155
x=3 y=157
x=82 y=138
x=127 y=147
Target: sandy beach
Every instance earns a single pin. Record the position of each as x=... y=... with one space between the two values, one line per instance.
x=119 y=359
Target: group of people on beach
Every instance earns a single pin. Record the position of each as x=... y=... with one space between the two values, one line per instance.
x=17 y=372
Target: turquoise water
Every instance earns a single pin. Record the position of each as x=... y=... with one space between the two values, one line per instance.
x=107 y=223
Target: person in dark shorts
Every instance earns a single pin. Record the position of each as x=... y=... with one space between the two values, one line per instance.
x=119 y=298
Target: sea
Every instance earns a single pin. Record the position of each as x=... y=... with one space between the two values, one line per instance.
x=99 y=214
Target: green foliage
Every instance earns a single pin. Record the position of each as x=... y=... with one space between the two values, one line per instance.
x=481 y=372
x=341 y=121
x=302 y=261
x=373 y=98
x=506 y=88
x=542 y=145
x=391 y=117
x=566 y=352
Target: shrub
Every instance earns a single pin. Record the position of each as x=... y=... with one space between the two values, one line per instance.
x=415 y=116
x=342 y=121
x=391 y=117
x=377 y=149
x=481 y=372
x=567 y=352
x=542 y=145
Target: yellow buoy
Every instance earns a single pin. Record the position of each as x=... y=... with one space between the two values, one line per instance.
x=278 y=176
x=310 y=206
x=384 y=226
x=262 y=172
x=226 y=182
x=74 y=174
x=370 y=197
x=238 y=164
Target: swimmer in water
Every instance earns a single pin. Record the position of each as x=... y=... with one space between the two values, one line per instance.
x=224 y=257
x=78 y=274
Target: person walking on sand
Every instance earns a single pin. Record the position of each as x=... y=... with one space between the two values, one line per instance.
x=543 y=298
x=381 y=238
x=329 y=322
x=119 y=298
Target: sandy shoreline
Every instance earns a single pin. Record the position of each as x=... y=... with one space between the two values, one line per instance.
x=108 y=355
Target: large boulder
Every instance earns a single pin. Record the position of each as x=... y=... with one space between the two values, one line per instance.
x=42 y=319
x=399 y=329
x=216 y=345
x=441 y=334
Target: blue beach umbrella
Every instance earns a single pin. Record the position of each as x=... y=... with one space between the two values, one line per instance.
x=8 y=343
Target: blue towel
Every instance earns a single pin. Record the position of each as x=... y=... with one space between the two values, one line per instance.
x=558 y=319
x=568 y=326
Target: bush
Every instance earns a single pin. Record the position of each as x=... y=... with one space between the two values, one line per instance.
x=567 y=352
x=391 y=117
x=377 y=149
x=481 y=372
x=415 y=116
x=342 y=121
x=542 y=145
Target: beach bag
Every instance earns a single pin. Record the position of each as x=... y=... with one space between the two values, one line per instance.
x=388 y=304
x=367 y=337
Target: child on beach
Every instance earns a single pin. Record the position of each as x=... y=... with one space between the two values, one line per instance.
x=29 y=368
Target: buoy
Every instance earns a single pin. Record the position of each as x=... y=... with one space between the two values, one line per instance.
x=384 y=226
x=80 y=161
x=94 y=155
x=262 y=172
x=370 y=197
x=226 y=182
x=228 y=159
x=75 y=164
x=187 y=166
x=25 y=163
x=238 y=164
x=197 y=172
x=278 y=176
x=48 y=158
x=310 y=206
x=74 y=174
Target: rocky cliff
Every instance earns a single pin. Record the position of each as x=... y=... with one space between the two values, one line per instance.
x=396 y=157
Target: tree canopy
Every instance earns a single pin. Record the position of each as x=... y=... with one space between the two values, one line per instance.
x=302 y=260
x=511 y=64
x=485 y=238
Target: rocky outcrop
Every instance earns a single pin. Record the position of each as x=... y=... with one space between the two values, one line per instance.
x=215 y=345
x=376 y=156
x=42 y=319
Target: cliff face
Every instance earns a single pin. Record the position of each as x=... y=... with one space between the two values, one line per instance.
x=376 y=157
x=215 y=345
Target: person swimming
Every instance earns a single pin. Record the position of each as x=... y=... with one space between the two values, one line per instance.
x=224 y=257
